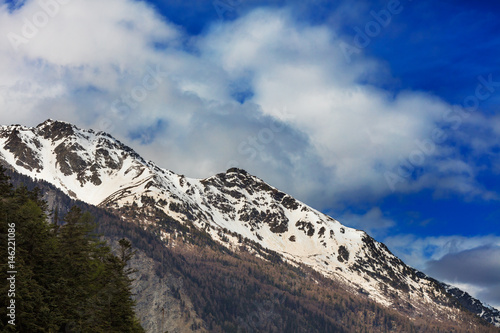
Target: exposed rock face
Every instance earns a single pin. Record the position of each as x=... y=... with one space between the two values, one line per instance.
x=161 y=300
x=25 y=152
x=55 y=130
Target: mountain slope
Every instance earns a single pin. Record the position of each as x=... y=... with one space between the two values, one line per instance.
x=193 y=284
x=234 y=208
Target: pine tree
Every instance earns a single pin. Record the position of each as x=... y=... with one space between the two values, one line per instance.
x=67 y=279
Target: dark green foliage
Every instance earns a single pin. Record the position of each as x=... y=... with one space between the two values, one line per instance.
x=5 y=185
x=67 y=280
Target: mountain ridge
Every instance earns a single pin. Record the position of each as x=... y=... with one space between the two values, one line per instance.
x=100 y=170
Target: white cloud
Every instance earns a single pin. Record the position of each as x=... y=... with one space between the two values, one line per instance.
x=87 y=33
x=311 y=124
x=357 y=130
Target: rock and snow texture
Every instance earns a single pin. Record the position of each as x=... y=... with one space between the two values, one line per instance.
x=86 y=165
x=485 y=311
x=98 y=169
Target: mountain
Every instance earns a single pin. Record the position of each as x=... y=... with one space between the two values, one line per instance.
x=235 y=213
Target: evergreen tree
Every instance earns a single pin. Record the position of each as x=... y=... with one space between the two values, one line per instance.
x=67 y=280
x=5 y=185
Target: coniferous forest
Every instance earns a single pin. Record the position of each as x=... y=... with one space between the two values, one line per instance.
x=66 y=279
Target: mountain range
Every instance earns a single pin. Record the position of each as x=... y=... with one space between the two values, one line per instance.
x=239 y=216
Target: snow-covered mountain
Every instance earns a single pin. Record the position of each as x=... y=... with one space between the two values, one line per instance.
x=98 y=169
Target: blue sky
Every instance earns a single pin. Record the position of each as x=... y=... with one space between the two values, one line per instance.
x=383 y=114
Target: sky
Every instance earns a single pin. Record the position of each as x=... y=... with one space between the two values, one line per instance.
x=383 y=114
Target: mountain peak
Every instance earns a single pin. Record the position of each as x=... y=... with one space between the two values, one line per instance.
x=50 y=122
x=56 y=130
x=237 y=170
x=76 y=160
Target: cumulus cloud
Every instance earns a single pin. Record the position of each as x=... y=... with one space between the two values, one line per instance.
x=265 y=92
x=350 y=124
